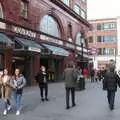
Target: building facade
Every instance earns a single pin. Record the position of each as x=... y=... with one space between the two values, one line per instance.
x=103 y=40
x=42 y=32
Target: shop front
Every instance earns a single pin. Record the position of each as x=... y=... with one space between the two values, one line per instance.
x=24 y=57
x=54 y=61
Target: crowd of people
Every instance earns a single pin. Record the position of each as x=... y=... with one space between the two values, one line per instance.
x=11 y=85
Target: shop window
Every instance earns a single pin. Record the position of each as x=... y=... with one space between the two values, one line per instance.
x=50 y=26
x=24 y=8
x=1 y=11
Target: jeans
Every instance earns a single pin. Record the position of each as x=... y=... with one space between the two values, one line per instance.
x=42 y=88
x=111 y=98
x=17 y=98
x=7 y=103
x=68 y=90
x=92 y=78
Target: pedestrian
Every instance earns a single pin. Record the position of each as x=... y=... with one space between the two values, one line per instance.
x=17 y=83
x=85 y=73
x=1 y=74
x=6 y=91
x=110 y=82
x=70 y=77
x=92 y=73
x=42 y=80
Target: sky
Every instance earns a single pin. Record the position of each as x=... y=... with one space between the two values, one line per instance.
x=103 y=9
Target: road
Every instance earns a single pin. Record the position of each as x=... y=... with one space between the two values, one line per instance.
x=91 y=105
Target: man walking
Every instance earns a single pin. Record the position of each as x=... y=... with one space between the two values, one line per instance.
x=42 y=80
x=92 y=73
x=70 y=77
x=110 y=82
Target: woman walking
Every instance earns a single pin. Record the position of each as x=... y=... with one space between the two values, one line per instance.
x=17 y=83
x=6 y=90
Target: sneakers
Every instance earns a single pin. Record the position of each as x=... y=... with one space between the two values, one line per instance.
x=9 y=108
x=18 y=112
x=5 y=112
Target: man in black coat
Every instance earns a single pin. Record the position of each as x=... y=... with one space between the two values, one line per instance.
x=110 y=82
x=42 y=80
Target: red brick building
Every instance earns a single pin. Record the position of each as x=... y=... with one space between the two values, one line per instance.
x=41 y=32
x=103 y=37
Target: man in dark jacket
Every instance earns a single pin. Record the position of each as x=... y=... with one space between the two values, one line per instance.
x=42 y=80
x=110 y=82
x=92 y=75
x=70 y=77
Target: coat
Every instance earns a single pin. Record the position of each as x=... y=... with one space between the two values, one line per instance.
x=40 y=78
x=18 y=85
x=70 y=77
x=110 y=81
x=5 y=88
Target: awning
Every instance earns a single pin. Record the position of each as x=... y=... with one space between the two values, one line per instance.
x=29 y=45
x=57 y=50
x=5 y=39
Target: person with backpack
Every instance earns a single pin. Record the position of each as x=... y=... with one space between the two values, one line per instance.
x=110 y=82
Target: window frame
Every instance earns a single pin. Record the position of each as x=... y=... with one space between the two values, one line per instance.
x=25 y=10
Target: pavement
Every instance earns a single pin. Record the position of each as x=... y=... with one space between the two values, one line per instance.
x=91 y=105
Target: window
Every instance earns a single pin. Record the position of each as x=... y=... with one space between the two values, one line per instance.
x=69 y=31
x=99 y=51
x=80 y=39
x=91 y=39
x=99 y=38
x=24 y=9
x=83 y=14
x=109 y=51
x=90 y=28
x=1 y=11
x=77 y=9
x=110 y=26
x=67 y=2
x=109 y=38
x=50 y=26
x=99 y=27
x=83 y=0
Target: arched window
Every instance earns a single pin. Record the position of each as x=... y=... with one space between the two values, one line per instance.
x=1 y=11
x=80 y=39
x=50 y=26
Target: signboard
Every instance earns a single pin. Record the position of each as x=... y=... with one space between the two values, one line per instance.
x=80 y=49
x=23 y=31
x=2 y=25
x=50 y=39
x=34 y=49
x=92 y=51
